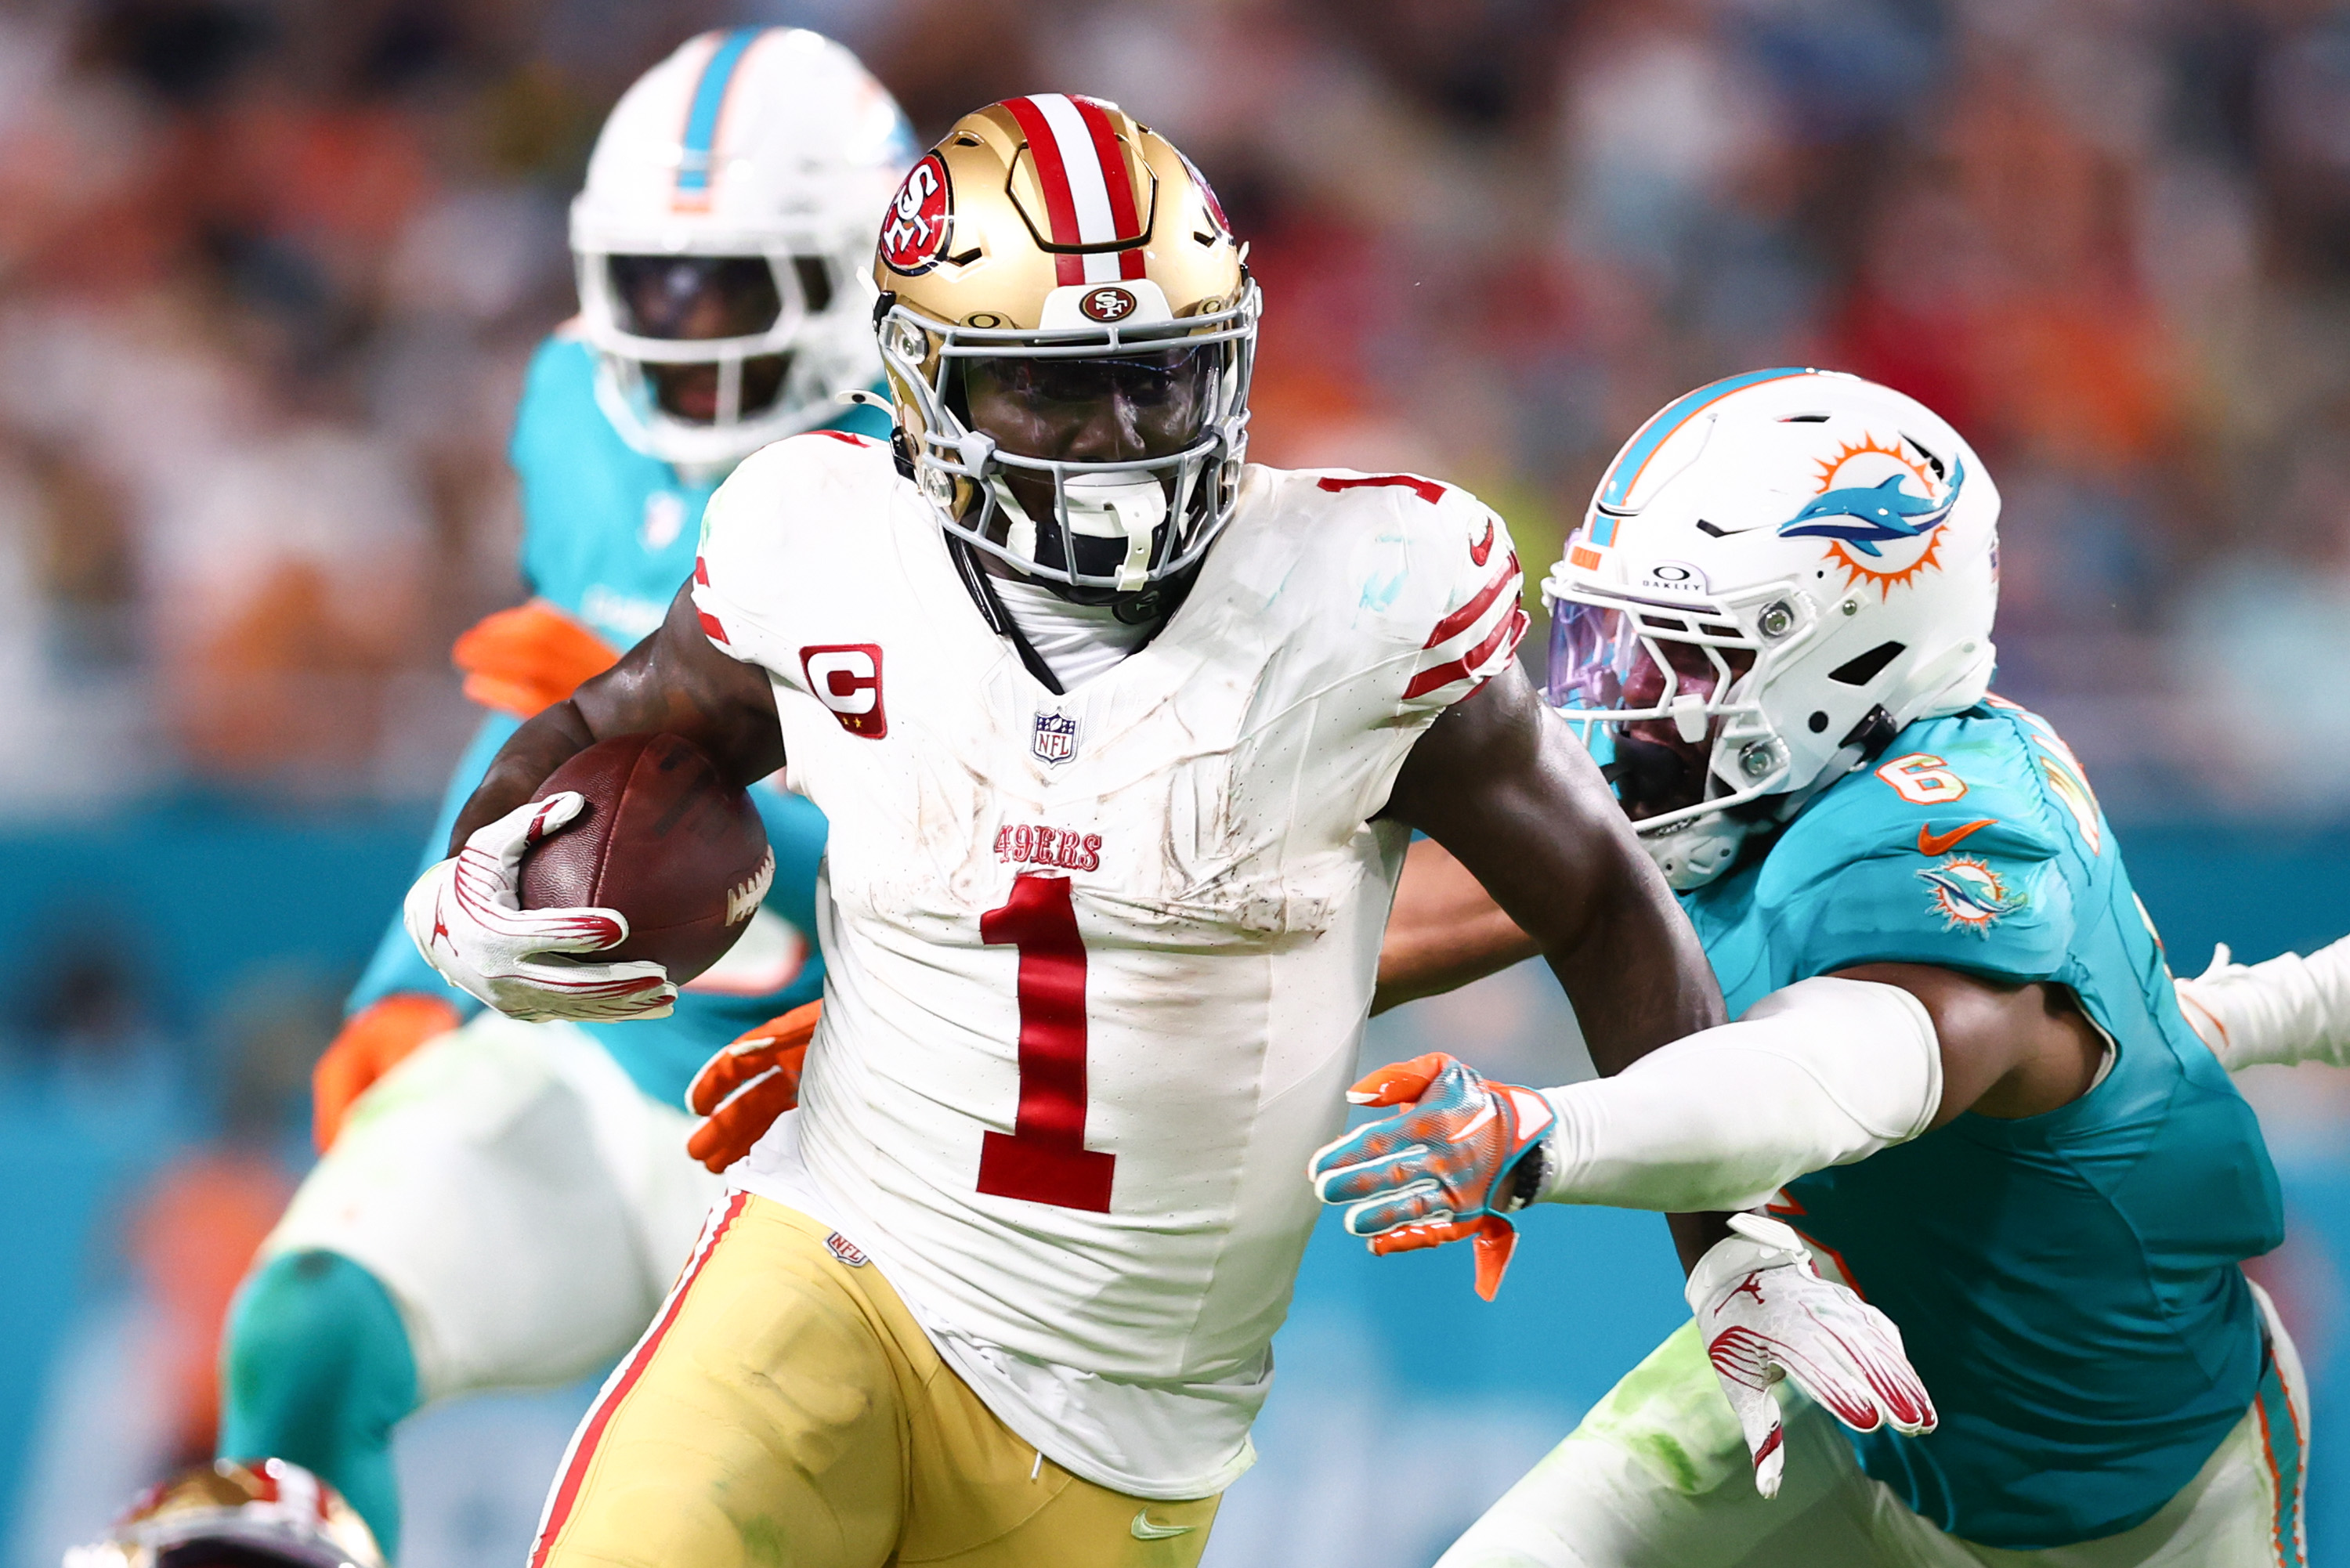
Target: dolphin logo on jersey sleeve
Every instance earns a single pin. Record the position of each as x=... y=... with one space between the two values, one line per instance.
x=1966 y=892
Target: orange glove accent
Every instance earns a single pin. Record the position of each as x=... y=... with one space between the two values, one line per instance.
x=1492 y=1237
x=371 y=1043
x=740 y=1092
x=1491 y=1241
x=529 y=658
x=1516 y=1115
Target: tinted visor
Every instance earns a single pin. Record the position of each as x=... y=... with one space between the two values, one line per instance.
x=1602 y=663
x=693 y=297
x=1035 y=407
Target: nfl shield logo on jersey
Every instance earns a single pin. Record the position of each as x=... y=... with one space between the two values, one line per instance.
x=1056 y=737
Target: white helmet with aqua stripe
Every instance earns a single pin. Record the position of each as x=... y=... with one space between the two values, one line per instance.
x=1777 y=573
x=723 y=237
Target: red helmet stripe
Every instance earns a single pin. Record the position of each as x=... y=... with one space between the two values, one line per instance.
x=1060 y=209
x=1124 y=220
x=1088 y=199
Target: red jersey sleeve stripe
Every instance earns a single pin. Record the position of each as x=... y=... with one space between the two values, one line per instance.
x=1464 y=617
x=583 y=1446
x=1508 y=629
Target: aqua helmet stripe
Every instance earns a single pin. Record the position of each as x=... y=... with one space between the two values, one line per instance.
x=1625 y=471
x=702 y=117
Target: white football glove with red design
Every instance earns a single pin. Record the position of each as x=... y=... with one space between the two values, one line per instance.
x=1765 y=1314
x=465 y=917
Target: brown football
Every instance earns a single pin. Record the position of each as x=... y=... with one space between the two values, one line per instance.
x=666 y=841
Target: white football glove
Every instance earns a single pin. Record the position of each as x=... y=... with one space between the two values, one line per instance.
x=2288 y=1010
x=465 y=917
x=1764 y=1314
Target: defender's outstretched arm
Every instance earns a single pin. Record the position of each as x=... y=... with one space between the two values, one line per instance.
x=1525 y=821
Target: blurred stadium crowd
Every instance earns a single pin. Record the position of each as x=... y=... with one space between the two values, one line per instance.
x=270 y=271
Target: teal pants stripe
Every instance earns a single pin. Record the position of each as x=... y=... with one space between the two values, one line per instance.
x=315 y=1368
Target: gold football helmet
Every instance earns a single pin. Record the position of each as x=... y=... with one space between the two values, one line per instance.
x=1051 y=245
x=265 y=1513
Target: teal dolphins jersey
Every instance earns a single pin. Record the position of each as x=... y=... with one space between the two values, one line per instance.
x=2066 y=1283
x=609 y=535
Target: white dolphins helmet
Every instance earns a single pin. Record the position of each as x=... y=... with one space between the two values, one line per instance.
x=1777 y=573
x=731 y=196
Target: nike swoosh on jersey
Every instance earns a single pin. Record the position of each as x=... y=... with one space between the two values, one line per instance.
x=1482 y=547
x=1142 y=1529
x=1932 y=842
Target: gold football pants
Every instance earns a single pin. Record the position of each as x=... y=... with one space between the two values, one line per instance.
x=785 y=1409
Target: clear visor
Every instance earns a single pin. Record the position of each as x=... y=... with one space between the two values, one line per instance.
x=1660 y=697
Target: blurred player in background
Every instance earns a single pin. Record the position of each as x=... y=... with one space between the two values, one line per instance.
x=267 y=1514
x=1775 y=625
x=501 y=1204
x=1120 y=740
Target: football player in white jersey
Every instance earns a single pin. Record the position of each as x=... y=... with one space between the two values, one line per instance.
x=1120 y=740
x=504 y=1204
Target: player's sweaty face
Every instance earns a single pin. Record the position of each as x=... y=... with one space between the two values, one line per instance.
x=696 y=298
x=1089 y=410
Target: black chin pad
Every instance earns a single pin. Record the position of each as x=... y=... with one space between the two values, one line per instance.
x=1651 y=778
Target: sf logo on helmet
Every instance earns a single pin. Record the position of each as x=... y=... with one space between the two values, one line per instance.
x=1108 y=304
x=914 y=230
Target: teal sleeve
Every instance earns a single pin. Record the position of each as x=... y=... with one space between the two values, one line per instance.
x=561 y=376
x=397 y=966
x=1997 y=904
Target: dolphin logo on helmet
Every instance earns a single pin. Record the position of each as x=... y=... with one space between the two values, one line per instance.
x=1864 y=516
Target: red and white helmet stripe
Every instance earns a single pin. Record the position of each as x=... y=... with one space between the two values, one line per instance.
x=1089 y=196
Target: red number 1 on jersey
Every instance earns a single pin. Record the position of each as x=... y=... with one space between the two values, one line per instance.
x=1045 y=1159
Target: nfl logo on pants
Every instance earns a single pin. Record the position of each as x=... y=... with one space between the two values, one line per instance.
x=1056 y=737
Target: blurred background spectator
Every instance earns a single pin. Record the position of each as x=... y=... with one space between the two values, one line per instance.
x=270 y=271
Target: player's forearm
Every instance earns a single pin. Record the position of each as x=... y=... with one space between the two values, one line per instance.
x=1444 y=930
x=2287 y=1010
x=1508 y=789
x=1633 y=967
x=1822 y=1073
x=542 y=746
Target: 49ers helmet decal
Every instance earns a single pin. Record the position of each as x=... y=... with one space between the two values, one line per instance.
x=1056 y=229
x=914 y=230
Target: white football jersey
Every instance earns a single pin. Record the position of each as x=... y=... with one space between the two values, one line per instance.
x=1097 y=964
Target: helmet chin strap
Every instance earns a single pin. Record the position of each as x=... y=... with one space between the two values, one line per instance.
x=1107 y=505
x=1098 y=506
x=1695 y=854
